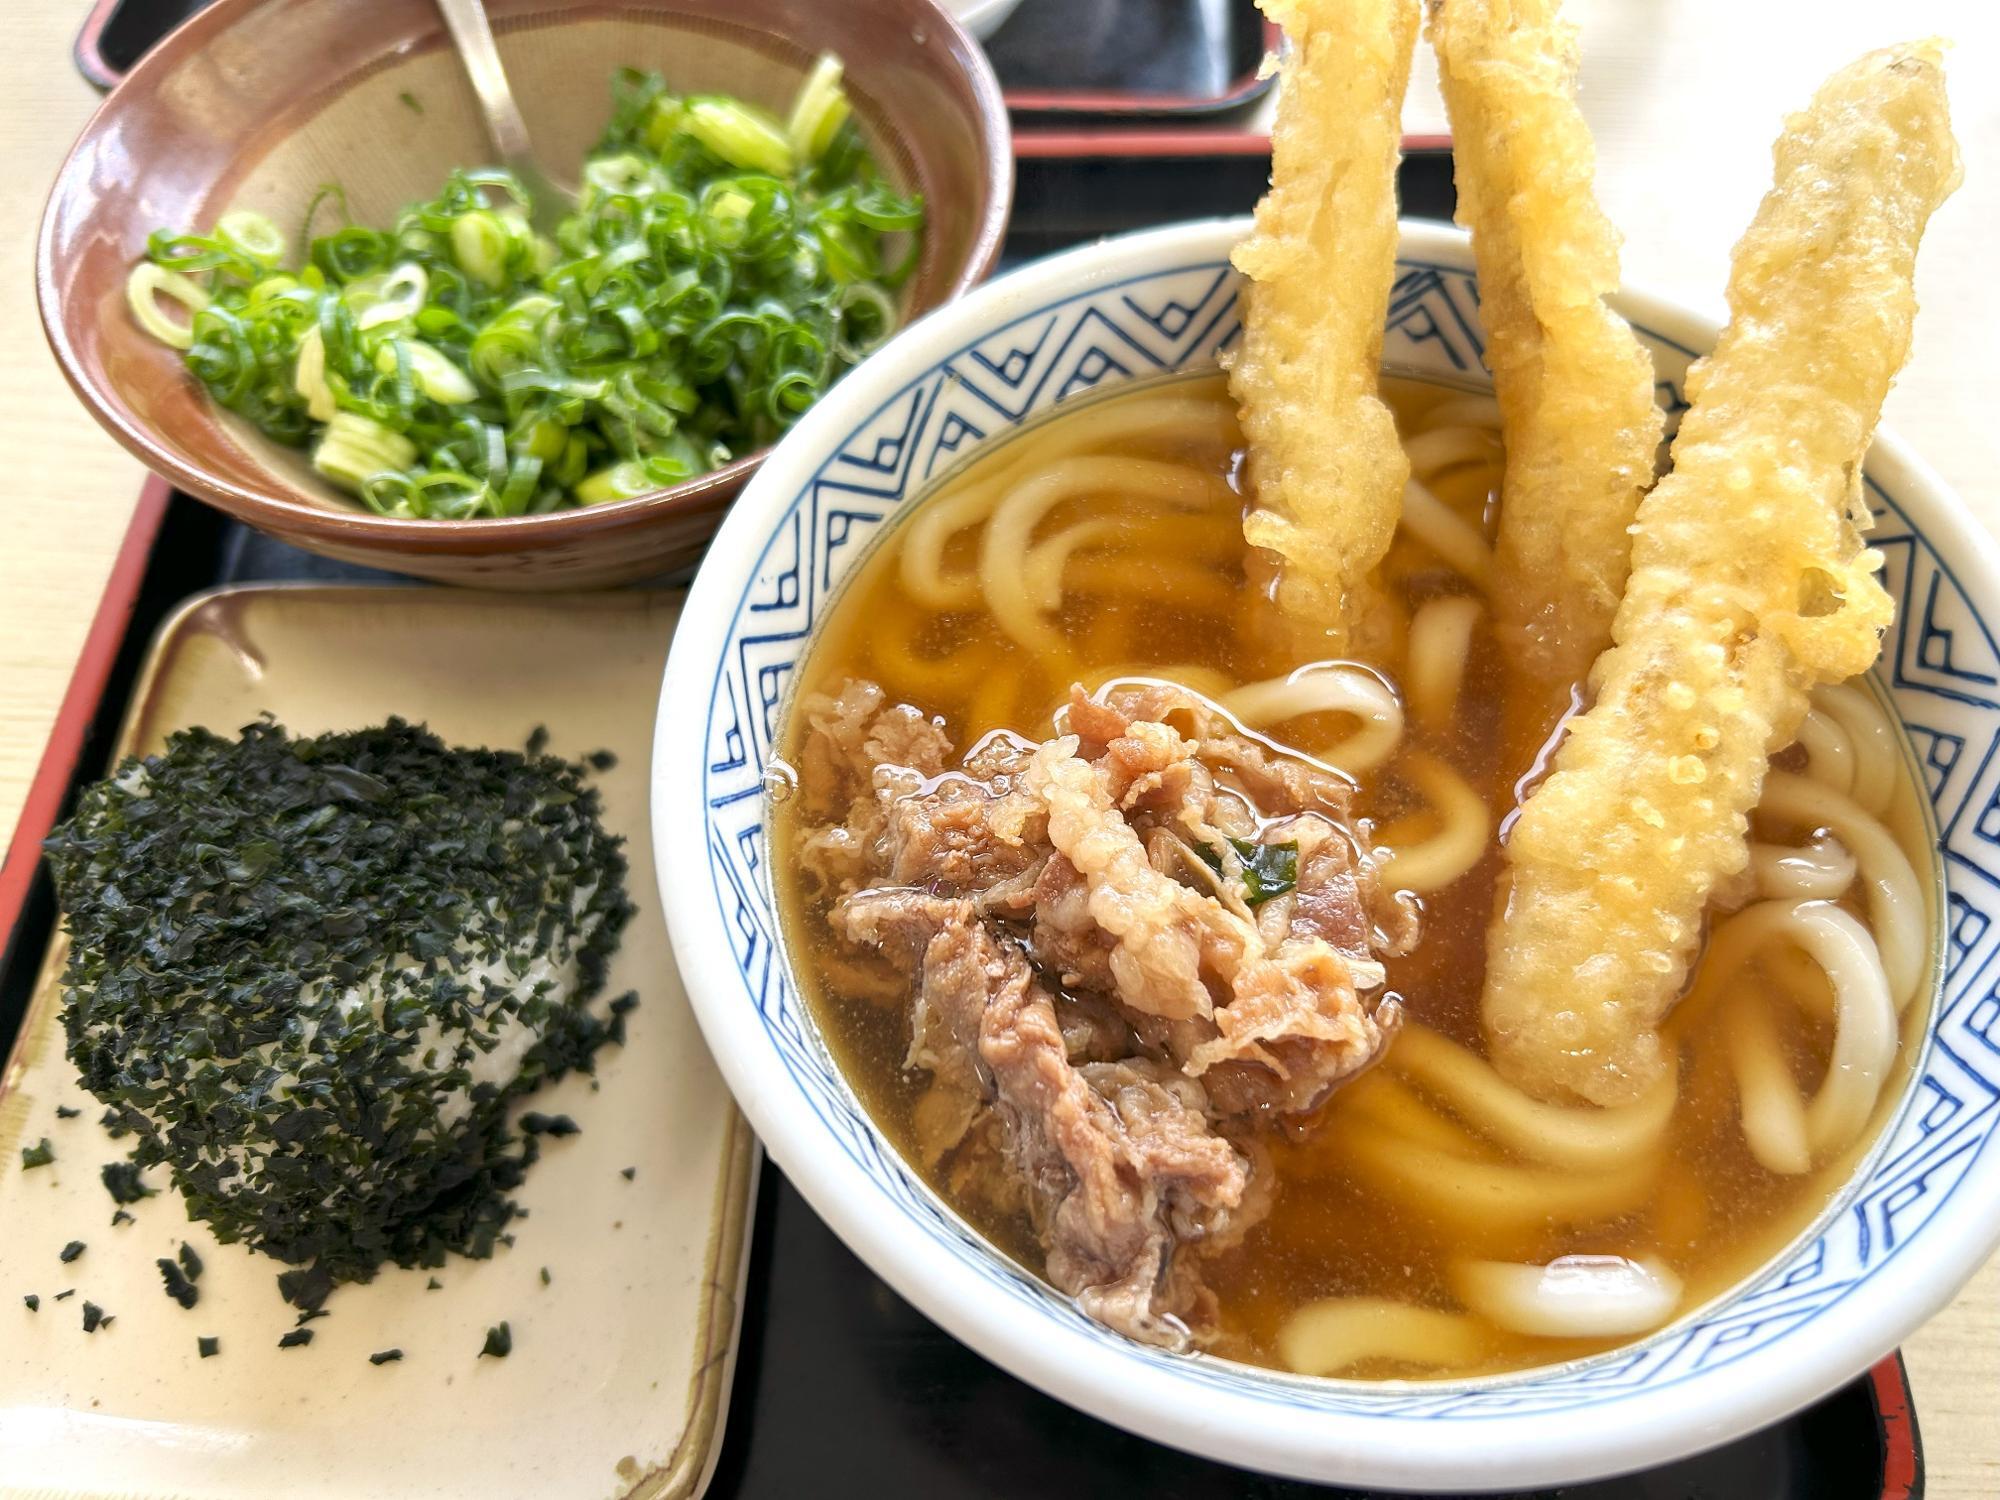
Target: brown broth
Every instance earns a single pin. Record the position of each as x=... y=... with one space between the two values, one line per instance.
x=1180 y=596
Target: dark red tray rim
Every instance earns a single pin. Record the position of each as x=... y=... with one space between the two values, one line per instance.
x=1081 y=142
x=58 y=769
x=86 y=50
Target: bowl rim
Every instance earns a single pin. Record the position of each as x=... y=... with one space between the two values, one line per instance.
x=1482 y=1450
x=359 y=525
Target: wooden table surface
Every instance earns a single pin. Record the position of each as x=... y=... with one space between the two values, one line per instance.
x=1685 y=97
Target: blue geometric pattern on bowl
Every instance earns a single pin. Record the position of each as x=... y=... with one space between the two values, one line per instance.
x=1941 y=664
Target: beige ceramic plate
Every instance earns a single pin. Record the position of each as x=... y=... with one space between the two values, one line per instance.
x=620 y=1371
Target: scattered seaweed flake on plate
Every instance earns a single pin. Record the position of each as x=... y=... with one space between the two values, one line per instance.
x=385 y=1357
x=121 y=1217
x=721 y=270
x=622 y=1007
x=67 y=1112
x=499 y=1342
x=65 y=1296
x=311 y=976
x=38 y=1155
x=179 y=1285
x=121 y=1181
x=32 y=1302
x=305 y=1286
x=71 y=1251
x=208 y=1346
x=93 y=1317
x=628 y=1173
x=190 y=1261
x=297 y=1338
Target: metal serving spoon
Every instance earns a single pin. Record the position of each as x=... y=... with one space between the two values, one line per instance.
x=473 y=36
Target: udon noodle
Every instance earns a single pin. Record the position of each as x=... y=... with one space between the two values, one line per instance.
x=1430 y=1218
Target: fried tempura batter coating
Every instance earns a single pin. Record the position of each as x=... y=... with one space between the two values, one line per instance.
x=1749 y=586
x=1326 y=467
x=1575 y=387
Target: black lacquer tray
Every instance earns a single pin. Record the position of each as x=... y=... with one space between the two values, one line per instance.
x=841 y=1387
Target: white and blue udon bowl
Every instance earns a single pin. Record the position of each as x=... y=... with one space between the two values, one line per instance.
x=1920 y=1216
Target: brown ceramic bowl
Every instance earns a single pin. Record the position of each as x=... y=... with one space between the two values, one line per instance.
x=257 y=103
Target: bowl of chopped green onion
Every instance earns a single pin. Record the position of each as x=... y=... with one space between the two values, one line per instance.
x=279 y=267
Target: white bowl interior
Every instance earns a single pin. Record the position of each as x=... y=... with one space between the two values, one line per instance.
x=1919 y=1217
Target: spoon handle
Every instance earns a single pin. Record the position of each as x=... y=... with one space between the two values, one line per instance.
x=466 y=21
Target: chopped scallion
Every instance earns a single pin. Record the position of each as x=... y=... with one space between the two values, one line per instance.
x=819 y=111
x=143 y=289
x=723 y=268
x=740 y=134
